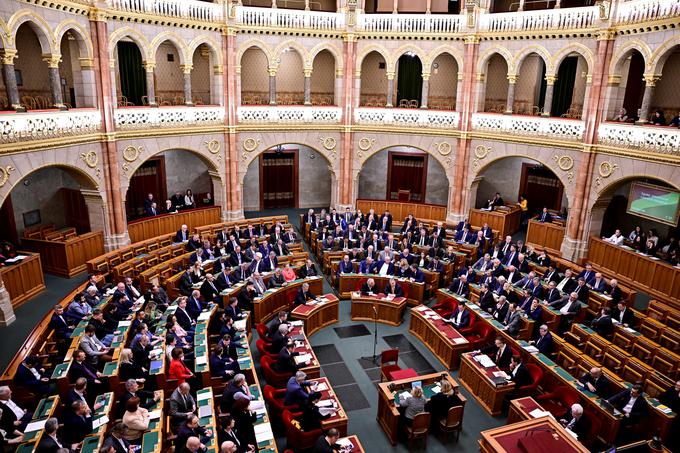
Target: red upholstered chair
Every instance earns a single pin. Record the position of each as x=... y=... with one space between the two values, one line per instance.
x=388 y=363
x=262 y=332
x=559 y=400
x=298 y=439
x=479 y=335
x=273 y=378
x=445 y=307
x=466 y=330
x=536 y=377
x=291 y=295
x=274 y=399
x=263 y=349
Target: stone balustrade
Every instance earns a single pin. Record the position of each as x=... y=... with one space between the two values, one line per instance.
x=406 y=117
x=19 y=127
x=540 y=20
x=636 y=11
x=289 y=18
x=558 y=128
x=183 y=9
x=410 y=23
x=657 y=139
x=131 y=118
x=288 y=115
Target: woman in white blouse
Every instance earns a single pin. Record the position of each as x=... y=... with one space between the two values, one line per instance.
x=189 y=199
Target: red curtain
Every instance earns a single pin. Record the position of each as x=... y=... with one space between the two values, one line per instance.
x=407 y=173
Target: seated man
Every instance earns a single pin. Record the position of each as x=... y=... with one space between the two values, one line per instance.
x=460 y=286
x=297 y=390
x=603 y=324
x=58 y=323
x=596 y=382
x=460 y=318
x=13 y=416
x=576 y=422
x=519 y=374
x=304 y=295
x=544 y=341
x=634 y=407
x=369 y=288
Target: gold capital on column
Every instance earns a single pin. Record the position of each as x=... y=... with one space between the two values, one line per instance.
x=512 y=79
x=98 y=15
x=550 y=79
x=86 y=63
x=390 y=75
x=8 y=56
x=273 y=71
x=307 y=72
x=149 y=66
x=426 y=76
x=340 y=73
x=186 y=68
x=651 y=79
x=218 y=70
x=52 y=60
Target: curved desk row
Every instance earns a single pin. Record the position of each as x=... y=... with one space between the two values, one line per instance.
x=413 y=291
x=378 y=307
x=315 y=316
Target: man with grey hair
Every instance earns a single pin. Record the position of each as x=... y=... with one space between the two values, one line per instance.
x=297 y=390
x=237 y=389
x=116 y=440
x=146 y=398
x=77 y=423
x=13 y=415
x=182 y=404
x=280 y=338
x=193 y=445
x=50 y=442
x=228 y=447
x=575 y=421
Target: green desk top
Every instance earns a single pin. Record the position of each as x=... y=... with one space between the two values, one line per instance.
x=546 y=360
x=90 y=444
x=149 y=441
x=44 y=407
x=61 y=370
x=110 y=369
x=27 y=447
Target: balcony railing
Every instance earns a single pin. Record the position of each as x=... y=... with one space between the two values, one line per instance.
x=635 y=11
x=183 y=9
x=560 y=128
x=286 y=18
x=18 y=127
x=662 y=140
x=288 y=114
x=168 y=117
x=548 y=19
x=410 y=23
x=406 y=117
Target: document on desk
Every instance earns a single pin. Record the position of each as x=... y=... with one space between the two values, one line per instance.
x=298 y=323
x=203 y=396
x=97 y=422
x=485 y=361
x=531 y=349
x=321 y=387
x=204 y=316
x=205 y=411
x=240 y=324
x=258 y=407
x=35 y=426
x=153 y=415
x=404 y=395
x=538 y=413
x=302 y=358
x=263 y=432
x=201 y=360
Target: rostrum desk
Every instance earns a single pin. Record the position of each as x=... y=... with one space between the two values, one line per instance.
x=542 y=435
x=318 y=315
x=478 y=381
x=390 y=311
x=413 y=291
x=445 y=342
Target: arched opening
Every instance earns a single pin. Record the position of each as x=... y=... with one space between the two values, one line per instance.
x=254 y=77
x=624 y=206
x=323 y=79
x=530 y=86
x=409 y=81
x=496 y=86
x=131 y=80
x=289 y=175
x=443 y=83
x=666 y=98
x=167 y=176
x=515 y=176
x=373 y=81
x=77 y=73
x=628 y=94
x=202 y=76
x=168 y=75
x=290 y=78
x=54 y=195
x=403 y=173
x=570 y=87
x=31 y=70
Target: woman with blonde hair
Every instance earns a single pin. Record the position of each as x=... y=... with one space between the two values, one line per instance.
x=441 y=402
x=414 y=405
x=128 y=369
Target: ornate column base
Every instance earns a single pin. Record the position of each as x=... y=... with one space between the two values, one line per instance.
x=235 y=215
x=453 y=218
x=342 y=207
x=7 y=315
x=116 y=241
x=574 y=250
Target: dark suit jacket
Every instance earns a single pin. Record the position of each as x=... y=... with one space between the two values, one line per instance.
x=208 y=292
x=321 y=446
x=183 y=319
x=185 y=284
x=76 y=428
x=464 y=319
x=48 y=445
x=559 y=303
x=544 y=344
x=504 y=360
x=582 y=426
x=583 y=293
x=601 y=384
x=639 y=407
x=117 y=447
x=522 y=377
x=304 y=272
x=285 y=362
x=603 y=325
x=365 y=289
x=459 y=287
x=398 y=292
x=628 y=316
x=301 y=298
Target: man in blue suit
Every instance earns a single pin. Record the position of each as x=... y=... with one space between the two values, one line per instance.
x=367 y=266
x=460 y=318
x=385 y=267
x=545 y=216
x=194 y=304
x=345 y=266
x=59 y=324
x=297 y=390
x=416 y=274
x=544 y=341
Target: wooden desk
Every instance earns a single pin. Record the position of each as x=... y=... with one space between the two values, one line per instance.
x=653 y=276
x=338 y=421
x=388 y=411
x=505 y=220
x=520 y=409
x=205 y=397
x=400 y=209
x=477 y=380
x=318 y=315
x=547 y=236
x=24 y=279
x=302 y=345
x=543 y=434
x=445 y=342
x=69 y=257
x=354 y=441
x=413 y=291
x=150 y=227
x=275 y=300
x=390 y=311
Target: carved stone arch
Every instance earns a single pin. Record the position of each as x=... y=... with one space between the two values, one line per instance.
x=257 y=44
x=454 y=53
x=578 y=48
x=658 y=58
x=295 y=45
x=207 y=41
x=5 y=34
x=81 y=34
x=177 y=41
x=138 y=38
x=486 y=56
x=627 y=49
x=525 y=52
x=367 y=50
x=39 y=26
x=337 y=55
x=396 y=55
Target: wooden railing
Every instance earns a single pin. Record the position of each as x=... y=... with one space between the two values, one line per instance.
x=506 y=219
x=400 y=209
x=545 y=235
x=67 y=257
x=24 y=279
x=151 y=227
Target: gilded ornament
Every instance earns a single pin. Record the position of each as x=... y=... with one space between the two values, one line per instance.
x=565 y=163
x=607 y=168
x=4 y=174
x=90 y=158
x=443 y=148
x=482 y=151
x=366 y=143
x=213 y=146
x=131 y=153
x=250 y=144
x=328 y=142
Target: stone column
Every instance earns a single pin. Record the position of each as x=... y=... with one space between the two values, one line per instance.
x=521 y=5
x=390 y=89
x=425 y=90
x=306 y=5
x=547 y=102
x=357 y=89
x=55 y=80
x=510 y=103
x=149 y=67
x=337 y=92
x=395 y=6
x=272 y=86
x=459 y=93
x=273 y=4
x=10 y=79
x=7 y=316
x=428 y=7
x=112 y=72
x=186 y=72
x=95 y=210
x=650 y=83
x=558 y=4
x=308 y=86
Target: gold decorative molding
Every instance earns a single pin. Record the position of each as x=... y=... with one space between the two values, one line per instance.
x=443 y=148
x=4 y=174
x=52 y=60
x=482 y=151
x=131 y=153
x=607 y=168
x=213 y=146
x=91 y=159
x=250 y=144
x=328 y=142
x=365 y=144
x=566 y=164
x=8 y=56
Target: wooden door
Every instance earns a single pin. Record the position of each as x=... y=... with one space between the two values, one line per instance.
x=279 y=179
x=75 y=210
x=149 y=178
x=406 y=172
x=541 y=187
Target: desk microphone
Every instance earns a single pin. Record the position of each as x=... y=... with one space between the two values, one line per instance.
x=533 y=431
x=375 y=310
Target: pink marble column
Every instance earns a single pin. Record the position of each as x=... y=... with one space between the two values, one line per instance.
x=345 y=183
x=235 y=194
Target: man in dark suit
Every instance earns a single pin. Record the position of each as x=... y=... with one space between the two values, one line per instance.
x=237 y=257
x=499 y=352
x=575 y=421
x=568 y=305
x=50 y=441
x=183 y=234
x=596 y=382
x=327 y=443
x=185 y=282
x=273 y=326
x=545 y=216
x=603 y=324
x=519 y=374
x=551 y=294
x=81 y=368
x=58 y=323
x=209 y=290
x=460 y=318
x=285 y=362
x=614 y=291
x=634 y=407
x=304 y=295
x=146 y=399
x=280 y=339
x=224 y=279
x=78 y=423
x=623 y=314
x=486 y=300
x=116 y=440
x=369 y=287
x=31 y=375
x=567 y=283
x=582 y=290
x=184 y=319
x=460 y=286
x=551 y=275
x=544 y=341
x=182 y=404
x=194 y=304
x=308 y=270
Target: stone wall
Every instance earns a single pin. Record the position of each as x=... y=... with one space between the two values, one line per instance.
x=184 y=170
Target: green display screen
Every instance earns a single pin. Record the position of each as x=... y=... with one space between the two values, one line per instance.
x=654 y=203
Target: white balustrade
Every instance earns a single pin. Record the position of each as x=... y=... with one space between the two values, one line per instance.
x=662 y=140
x=184 y=9
x=18 y=127
x=410 y=23
x=288 y=18
x=548 y=19
x=166 y=117
x=406 y=117
x=288 y=114
x=634 y=11
x=559 y=128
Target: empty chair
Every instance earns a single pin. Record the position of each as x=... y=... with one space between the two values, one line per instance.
x=388 y=363
x=453 y=423
x=419 y=429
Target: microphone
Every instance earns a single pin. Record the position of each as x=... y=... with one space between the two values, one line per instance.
x=375 y=310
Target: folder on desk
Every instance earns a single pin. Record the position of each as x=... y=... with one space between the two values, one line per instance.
x=156 y=365
x=205 y=411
